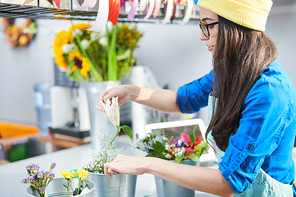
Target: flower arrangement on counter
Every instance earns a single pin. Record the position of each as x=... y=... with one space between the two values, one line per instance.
x=72 y=176
x=39 y=179
x=107 y=153
x=184 y=147
x=92 y=56
x=19 y=36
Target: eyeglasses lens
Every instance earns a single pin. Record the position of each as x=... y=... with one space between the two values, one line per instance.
x=204 y=29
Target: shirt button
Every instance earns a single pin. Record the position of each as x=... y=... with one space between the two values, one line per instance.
x=250 y=147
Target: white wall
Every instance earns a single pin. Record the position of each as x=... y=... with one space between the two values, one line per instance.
x=174 y=53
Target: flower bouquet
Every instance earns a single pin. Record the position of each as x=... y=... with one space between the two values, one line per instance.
x=119 y=184
x=93 y=56
x=39 y=180
x=44 y=184
x=77 y=184
x=183 y=149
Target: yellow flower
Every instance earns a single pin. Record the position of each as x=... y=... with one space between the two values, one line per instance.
x=82 y=174
x=61 y=39
x=68 y=175
x=80 y=26
x=80 y=62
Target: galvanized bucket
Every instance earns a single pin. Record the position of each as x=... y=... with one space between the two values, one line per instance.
x=166 y=188
x=98 y=120
x=56 y=188
x=120 y=185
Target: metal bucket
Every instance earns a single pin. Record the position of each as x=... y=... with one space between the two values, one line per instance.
x=99 y=121
x=166 y=188
x=56 y=188
x=120 y=185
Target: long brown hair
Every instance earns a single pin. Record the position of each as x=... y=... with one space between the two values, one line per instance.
x=240 y=56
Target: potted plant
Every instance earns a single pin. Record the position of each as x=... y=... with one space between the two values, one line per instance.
x=43 y=184
x=183 y=149
x=120 y=184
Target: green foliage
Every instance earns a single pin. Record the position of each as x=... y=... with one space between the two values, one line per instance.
x=128 y=131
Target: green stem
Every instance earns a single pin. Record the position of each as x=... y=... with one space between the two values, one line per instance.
x=118 y=130
x=68 y=188
x=112 y=72
x=79 y=187
x=92 y=67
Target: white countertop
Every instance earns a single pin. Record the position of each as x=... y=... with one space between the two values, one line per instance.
x=12 y=174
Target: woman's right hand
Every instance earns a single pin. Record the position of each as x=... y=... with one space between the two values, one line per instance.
x=122 y=92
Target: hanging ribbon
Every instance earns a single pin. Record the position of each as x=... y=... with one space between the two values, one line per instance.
x=157 y=8
x=121 y=3
x=114 y=7
x=150 y=9
x=86 y=3
x=142 y=5
x=132 y=13
x=26 y=2
x=102 y=16
x=188 y=12
x=195 y=1
x=169 y=12
x=57 y=2
x=174 y=12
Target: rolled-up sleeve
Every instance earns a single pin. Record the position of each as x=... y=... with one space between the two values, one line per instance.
x=193 y=96
x=262 y=125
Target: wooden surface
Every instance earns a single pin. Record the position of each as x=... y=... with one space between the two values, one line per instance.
x=62 y=143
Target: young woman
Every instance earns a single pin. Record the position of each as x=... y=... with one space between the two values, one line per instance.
x=254 y=108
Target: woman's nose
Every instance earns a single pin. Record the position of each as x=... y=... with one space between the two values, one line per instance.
x=202 y=37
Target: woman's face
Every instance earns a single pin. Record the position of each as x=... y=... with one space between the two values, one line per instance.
x=208 y=17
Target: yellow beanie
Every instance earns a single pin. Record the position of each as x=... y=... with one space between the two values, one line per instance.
x=248 y=13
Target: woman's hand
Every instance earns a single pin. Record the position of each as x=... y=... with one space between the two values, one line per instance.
x=125 y=165
x=123 y=93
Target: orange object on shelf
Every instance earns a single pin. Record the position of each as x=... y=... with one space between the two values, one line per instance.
x=16 y=130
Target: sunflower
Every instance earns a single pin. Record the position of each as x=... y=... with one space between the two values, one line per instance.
x=80 y=62
x=80 y=26
x=61 y=39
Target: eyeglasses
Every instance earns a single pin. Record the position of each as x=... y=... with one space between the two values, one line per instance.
x=205 y=28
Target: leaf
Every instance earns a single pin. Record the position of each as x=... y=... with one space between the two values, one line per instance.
x=128 y=131
x=75 y=192
x=150 y=155
x=158 y=150
x=178 y=159
x=193 y=157
x=192 y=136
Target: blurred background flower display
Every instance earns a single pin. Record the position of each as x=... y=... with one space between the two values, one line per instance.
x=19 y=36
x=95 y=56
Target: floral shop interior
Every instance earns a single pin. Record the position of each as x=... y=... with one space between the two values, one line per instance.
x=57 y=57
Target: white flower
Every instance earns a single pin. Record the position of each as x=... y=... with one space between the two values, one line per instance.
x=103 y=41
x=167 y=147
x=168 y=156
x=85 y=44
x=77 y=31
x=112 y=110
x=179 y=142
x=94 y=36
x=67 y=48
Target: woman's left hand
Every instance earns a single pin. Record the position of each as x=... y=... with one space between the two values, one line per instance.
x=125 y=165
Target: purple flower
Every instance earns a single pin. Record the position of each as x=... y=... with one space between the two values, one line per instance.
x=41 y=189
x=39 y=175
x=24 y=180
x=31 y=179
x=51 y=175
x=53 y=165
x=28 y=167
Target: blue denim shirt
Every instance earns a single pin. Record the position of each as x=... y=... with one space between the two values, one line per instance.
x=266 y=133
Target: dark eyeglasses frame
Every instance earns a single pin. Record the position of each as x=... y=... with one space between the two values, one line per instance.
x=206 y=29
